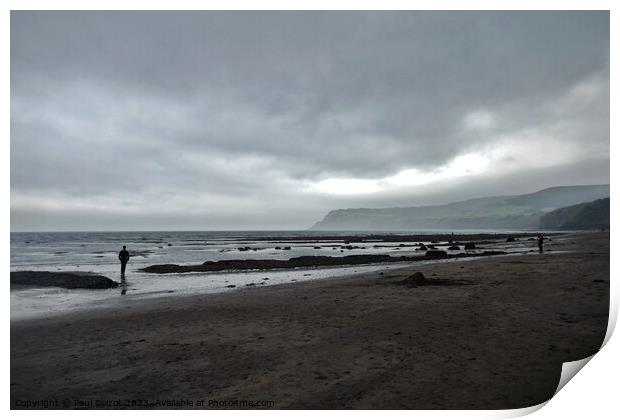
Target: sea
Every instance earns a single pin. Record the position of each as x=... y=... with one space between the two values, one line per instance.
x=97 y=252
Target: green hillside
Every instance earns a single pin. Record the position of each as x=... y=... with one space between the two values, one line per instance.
x=509 y=212
x=592 y=215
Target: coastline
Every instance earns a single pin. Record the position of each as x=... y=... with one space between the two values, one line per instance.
x=495 y=341
x=195 y=264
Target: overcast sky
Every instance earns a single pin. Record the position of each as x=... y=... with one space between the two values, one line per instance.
x=213 y=120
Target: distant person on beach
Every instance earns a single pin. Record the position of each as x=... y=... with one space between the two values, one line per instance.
x=541 y=238
x=124 y=257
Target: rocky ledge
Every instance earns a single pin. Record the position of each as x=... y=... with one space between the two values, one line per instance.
x=305 y=261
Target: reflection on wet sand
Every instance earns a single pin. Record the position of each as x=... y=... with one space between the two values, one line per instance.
x=123 y=285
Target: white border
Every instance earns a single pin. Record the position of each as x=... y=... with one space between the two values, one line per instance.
x=592 y=393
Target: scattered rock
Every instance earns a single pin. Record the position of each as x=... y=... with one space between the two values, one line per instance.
x=230 y=286
x=436 y=254
x=470 y=245
x=417 y=279
x=510 y=239
x=422 y=248
x=491 y=253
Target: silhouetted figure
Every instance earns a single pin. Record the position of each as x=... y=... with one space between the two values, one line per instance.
x=124 y=257
x=541 y=238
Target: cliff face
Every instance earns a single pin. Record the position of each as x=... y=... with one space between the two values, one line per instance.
x=592 y=215
x=504 y=212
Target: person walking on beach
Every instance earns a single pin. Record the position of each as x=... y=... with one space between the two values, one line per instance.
x=541 y=238
x=124 y=257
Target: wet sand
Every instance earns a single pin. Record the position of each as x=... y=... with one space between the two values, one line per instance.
x=489 y=334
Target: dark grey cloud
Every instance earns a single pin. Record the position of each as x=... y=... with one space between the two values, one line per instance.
x=236 y=119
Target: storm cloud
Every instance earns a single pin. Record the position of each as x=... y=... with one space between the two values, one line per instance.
x=267 y=120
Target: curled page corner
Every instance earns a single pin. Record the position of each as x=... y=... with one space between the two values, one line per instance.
x=521 y=412
x=570 y=369
x=612 y=319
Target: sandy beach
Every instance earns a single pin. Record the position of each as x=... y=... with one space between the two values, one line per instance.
x=487 y=334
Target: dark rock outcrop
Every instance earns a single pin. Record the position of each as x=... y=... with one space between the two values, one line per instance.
x=418 y=280
x=436 y=254
x=66 y=280
x=454 y=248
x=414 y=280
x=470 y=245
x=492 y=253
x=306 y=261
